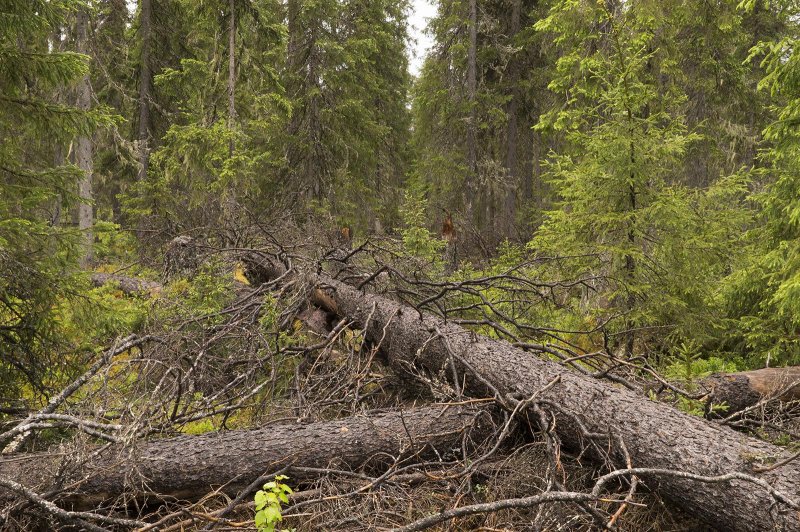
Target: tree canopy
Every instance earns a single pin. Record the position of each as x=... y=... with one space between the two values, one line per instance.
x=612 y=184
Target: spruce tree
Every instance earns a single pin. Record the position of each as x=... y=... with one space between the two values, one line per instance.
x=480 y=91
x=763 y=296
x=38 y=254
x=647 y=248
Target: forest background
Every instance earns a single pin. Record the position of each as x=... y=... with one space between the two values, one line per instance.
x=652 y=147
x=634 y=166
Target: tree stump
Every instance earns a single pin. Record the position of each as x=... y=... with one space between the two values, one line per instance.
x=182 y=258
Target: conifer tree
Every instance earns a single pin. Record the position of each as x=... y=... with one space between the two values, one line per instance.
x=651 y=246
x=38 y=255
x=479 y=92
x=210 y=150
x=764 y=294
x=347 y=80
x=145 y=87
x=84 y=144
x=312 y=107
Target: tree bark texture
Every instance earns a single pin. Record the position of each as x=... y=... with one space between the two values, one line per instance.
x=83 y=144
x=747 y=388
x=472 y=125
x=656 y=435
x=304 y=157
x=231 y=71
x=229 y=202
x=145 y=86
x=188 y=467
x=508 y=216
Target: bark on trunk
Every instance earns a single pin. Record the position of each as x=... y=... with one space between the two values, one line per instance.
x=145 y=88
x=656 y=435
x=747 y=388
x=472 y=125
x=510 y=200
x=83 y=146
x=294 y=83
x=188 y=467
x=229 y=201
x=231 y=71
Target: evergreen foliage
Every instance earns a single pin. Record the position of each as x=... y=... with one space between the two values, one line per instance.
x=647 y=152
x=37 y=251
x=764 y=295
x=652 y=247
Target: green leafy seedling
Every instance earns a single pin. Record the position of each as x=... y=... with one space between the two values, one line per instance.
x=268 y=503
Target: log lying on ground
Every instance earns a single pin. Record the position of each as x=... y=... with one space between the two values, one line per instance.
x=128 y=285
x=188 y=467
x=742 y=390
x=655 y=435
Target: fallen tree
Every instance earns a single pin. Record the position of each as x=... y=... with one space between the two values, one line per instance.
x=589 y=412
x=737 y=391
x=189 y=467
x=711 y=471
x=742 y=390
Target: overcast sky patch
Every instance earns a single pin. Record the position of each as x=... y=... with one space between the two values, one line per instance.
x=421 y=12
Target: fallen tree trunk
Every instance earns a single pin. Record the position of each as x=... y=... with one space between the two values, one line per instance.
x=747 y=388
x=188 y=467
x=128 y=285
x=655 y=435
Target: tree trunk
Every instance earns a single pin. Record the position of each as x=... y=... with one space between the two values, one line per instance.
x=83 y=145
x=655 y=435
x=229 y=200
x=472 y=126
x=747 y=388
x=294 y=89
x=188 y=467
x=59 y=150
x=231 y=71
x=305 y=162
x=294 y=37
x=531 y=172
x=314 y=164
x=510 y=201
x=145 y=87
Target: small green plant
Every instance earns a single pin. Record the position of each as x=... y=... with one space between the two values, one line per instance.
x=418 y=241
x=268 y=503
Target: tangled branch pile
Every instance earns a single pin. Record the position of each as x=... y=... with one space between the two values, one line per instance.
x=391 y=401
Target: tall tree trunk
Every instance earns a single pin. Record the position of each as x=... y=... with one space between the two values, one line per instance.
x=229 y=203
x=83 y=145
x=305 y=164
x=630 y=261
x=295 y=33
x=294 y=85
x=231 y=71
x=313 y=166
x=145 y=86
x=59 y=150
x=472 y=126
x=512 y=173
x=532 y=154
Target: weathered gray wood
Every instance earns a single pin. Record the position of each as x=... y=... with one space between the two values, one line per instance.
x=655 y=434
x=188 y=467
